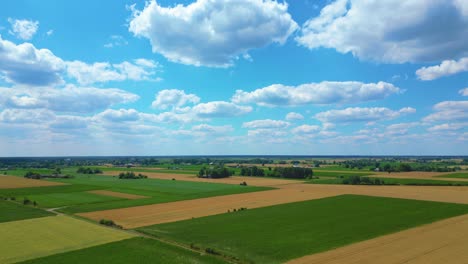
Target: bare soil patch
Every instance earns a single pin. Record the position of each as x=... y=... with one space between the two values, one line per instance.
x=440 y=242
x=118 y=194
x=12 y=182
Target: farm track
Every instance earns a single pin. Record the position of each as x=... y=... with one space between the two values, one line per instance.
x=444 y=241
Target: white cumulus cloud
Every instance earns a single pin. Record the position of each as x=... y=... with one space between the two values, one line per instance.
x=24 y=64
x=293 y=116
x=23 y=29
x=316 y=93
x=173 y=98
x=266 y=123
x=448 y=111
x=463 y=92
x=220 y=109
x=391 y=30
x=361 y=114
x=212 y=33
x=84 y=73
x=446 y=68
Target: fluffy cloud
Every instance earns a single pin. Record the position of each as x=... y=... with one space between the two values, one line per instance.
x=140 y=69
x=306 y=129
x=448 y=127
x=65 y=122
x=220 y=109
x=173 y=98
x=358 y=114
x=449 y=110
x=24 y=64
x=68 y=99
x=463 y=92
x=316 y=93
x=25 y=116
x=446 y=68
x=266 y=123
x=292 y=116
x=121 y=115
x=23 y=29
x=391 y=31
x=206 y=129
x=212 y=33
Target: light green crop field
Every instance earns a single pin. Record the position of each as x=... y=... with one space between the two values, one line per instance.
x=279 y=233
x=33 y=238
x=135 y=250
x=10 y=211
x=76 y=198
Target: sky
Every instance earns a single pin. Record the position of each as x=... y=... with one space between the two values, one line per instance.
x=233 y=77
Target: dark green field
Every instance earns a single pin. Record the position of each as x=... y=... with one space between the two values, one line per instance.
x=10 y=211
x=396 y=181
x=463 y=175
x=76 y=199
x=134 y=250
x=279 y=233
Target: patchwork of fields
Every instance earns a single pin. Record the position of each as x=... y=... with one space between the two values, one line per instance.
x=186 y=219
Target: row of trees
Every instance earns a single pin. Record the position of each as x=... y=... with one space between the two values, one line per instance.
x=280 y=172
x=357 y=180
x=215 y=172
x=131 y=175
x=88 y=170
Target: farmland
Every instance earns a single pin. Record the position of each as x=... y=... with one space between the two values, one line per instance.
x=19 y=240
x=317 y=225
x=172 y=216
x=13 y=211
x=134 y=250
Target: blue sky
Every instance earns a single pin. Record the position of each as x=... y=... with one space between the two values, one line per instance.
x=211 y=77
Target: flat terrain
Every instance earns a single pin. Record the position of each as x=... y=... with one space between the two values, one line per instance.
x=77 y=198
x=11 y=182
x=462 y=175
x=133 y=250
x=12 y=211
x=283 y=232
x=421 y=175
x=444 y=241
x=33 y=238
x=175 y=211
x=118 y=194
x=252 y=181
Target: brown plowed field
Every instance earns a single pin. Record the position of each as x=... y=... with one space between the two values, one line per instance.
x=254 y=181
x=118 y=194
x=12 y=182
x=445 y=241
x=169 y=212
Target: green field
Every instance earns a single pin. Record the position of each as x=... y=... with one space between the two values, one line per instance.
x=463 y=175
x=343 y=173
x=279 y=233
x=134 y=250
x=33 y=238
x=12 y=211
x=75 y=197
x=396 y=181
